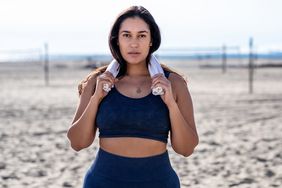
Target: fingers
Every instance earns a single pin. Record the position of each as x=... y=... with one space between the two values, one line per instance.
x=107 y=81
x=157 y=75
x=108 y=77
x=159 y=80
x=158 y=91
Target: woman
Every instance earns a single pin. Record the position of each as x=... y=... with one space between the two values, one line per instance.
x=133 y=123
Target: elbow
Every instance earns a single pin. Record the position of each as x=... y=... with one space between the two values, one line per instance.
x=80 y=140
x=196 y=142
x=79 y=144
x=190 y=150
x=75 y=146
x=188 y=153
x=185 y=152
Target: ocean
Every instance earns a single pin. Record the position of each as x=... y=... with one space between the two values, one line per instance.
x=273 y=58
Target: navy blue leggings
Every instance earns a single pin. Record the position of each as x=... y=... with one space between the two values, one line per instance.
x=114 y=171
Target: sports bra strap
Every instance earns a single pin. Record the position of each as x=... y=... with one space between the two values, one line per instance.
x=166 y=73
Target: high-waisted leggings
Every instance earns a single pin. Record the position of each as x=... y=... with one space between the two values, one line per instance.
x=114 y=171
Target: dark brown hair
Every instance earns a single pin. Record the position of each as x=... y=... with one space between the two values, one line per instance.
x=131 y=12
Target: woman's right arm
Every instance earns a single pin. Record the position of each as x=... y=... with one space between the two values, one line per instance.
x=83 y=129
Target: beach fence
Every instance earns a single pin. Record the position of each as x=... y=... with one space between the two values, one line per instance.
x=260 y=60
x=46 y=64
x=217 y=57
x=205 y=57
x=251 y=66
x=28 y=57
x=222 y=57
x=42 y=59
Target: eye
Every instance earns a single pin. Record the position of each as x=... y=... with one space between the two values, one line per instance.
x=142 y=36
x=126 y=35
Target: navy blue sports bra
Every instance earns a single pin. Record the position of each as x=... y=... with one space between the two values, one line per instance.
x=122 y=116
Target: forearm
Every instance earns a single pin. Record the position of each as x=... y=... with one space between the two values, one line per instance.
x=183 y=137
x=81 y=133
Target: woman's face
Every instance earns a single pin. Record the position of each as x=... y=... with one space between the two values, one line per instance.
x=134 y=40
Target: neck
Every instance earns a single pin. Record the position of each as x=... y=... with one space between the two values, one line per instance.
x=137 y=70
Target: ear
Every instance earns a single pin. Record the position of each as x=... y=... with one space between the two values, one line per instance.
x=151 y=44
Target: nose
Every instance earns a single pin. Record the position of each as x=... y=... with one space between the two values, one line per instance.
x=134 y=43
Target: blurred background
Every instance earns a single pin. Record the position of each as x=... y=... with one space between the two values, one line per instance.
x=229 y=51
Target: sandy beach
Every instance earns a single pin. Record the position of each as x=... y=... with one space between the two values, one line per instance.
x=240 y=133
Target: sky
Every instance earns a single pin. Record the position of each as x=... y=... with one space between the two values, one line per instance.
x=82 y=26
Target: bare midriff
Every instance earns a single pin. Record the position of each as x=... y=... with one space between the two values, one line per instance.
x=132 y=146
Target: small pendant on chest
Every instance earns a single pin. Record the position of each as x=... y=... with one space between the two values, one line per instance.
x=138 y=90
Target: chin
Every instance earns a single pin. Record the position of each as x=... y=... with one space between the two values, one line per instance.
x=135 y=60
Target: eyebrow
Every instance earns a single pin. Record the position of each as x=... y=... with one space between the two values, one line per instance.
x=125 y=31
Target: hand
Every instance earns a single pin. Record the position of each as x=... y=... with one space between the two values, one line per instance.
x=88 y=85
x=105 y=78
x=165 y=84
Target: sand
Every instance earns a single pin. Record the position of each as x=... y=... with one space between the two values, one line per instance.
x=240 y=133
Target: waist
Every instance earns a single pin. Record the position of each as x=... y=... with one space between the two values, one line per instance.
x=132 y=169
x=132 y=147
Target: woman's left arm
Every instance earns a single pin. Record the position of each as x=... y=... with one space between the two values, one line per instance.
x=183 y=135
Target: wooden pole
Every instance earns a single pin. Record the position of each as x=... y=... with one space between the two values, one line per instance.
x=251 y=66
x=223 y=58
x=46 y=64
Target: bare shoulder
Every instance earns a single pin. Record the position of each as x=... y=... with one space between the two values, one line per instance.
x=178 y=84
x=177 y=81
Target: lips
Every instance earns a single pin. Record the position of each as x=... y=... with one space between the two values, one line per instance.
x=133 y=53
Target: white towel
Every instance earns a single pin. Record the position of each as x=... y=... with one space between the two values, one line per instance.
x=154 y=67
